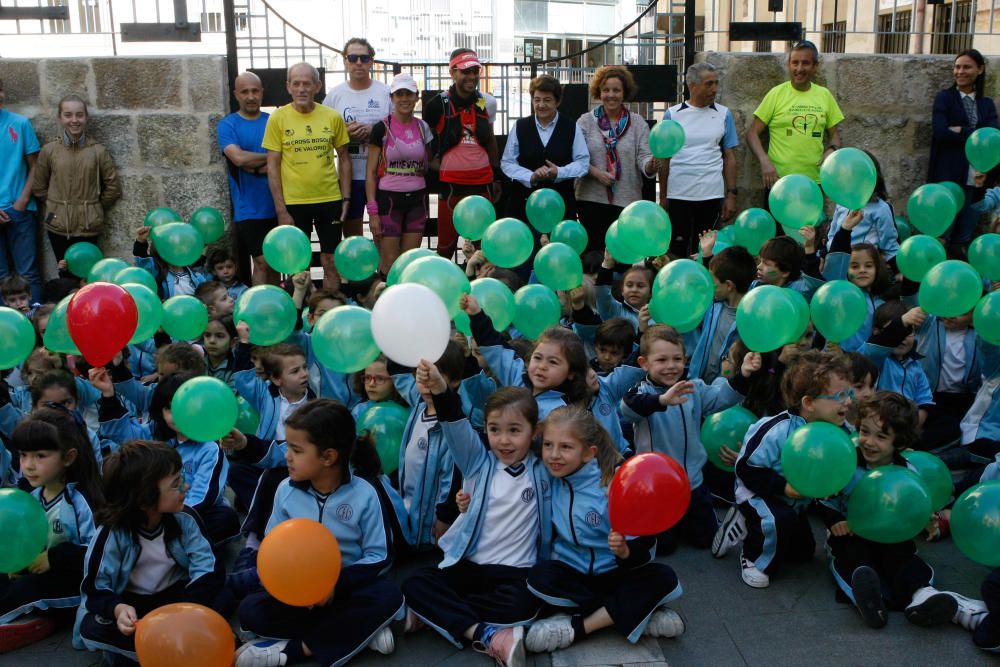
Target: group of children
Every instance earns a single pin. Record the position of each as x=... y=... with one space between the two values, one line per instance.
x=504 y=466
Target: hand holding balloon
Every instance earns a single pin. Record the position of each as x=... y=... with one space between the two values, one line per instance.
x=469 y=304
x=142 y=234
x=751 y=364
x=852 y=220
x=791 y=492
x=126 y=618
x=707 y=242
x=677 y=394
x=644 y=318
x=840 y=529
x=728 y=456
x=808 y=234
x=101 y=381
x=914 y=317
x=618 y=545
x=41 y=564
x=429 y=378
x=234 y=442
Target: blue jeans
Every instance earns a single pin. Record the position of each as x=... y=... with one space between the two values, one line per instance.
x=20 y=243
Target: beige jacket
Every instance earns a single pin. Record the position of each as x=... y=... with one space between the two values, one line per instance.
x=633 y=152
x=77 y=183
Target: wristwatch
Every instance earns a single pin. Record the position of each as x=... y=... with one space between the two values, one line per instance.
x=833 y=147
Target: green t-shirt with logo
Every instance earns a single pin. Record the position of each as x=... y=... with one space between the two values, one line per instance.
x=796 y=122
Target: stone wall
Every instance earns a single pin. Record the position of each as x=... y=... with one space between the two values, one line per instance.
x=157 y=117
x=886 y=101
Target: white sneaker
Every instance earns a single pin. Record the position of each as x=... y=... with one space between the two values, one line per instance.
x=383 y=642
x=730 y=533
x=929 y=606
x=262 y=653
x=549 y=634
x=664 y=623
x=970 y=612
x=751 y=575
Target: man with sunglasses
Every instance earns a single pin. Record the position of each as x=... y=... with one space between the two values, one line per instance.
x=464 y=150
x=362 y=102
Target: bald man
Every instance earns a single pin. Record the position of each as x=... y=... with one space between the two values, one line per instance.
x=240 y=136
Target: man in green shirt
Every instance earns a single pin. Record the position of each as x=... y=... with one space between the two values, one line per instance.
x=797 y=114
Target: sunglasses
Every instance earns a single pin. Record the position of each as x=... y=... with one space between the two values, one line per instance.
x=355 y=57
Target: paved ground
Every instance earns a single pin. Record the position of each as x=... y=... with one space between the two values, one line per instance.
x=794 y=622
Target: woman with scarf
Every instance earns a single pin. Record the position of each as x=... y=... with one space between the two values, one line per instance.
x=618 y=142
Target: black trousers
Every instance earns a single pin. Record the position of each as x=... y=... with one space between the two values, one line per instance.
x=242 y=479
x=776 y=533
x=987 y=635
x=596 y=218
x=55 y=589
x=263 y=501
x=688 y=219
x=697 y=527
x=630 y=595
x=899 y=568
x=221 y=523
x=455 y=598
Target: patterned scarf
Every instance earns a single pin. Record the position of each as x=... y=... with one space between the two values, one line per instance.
x=611 y=135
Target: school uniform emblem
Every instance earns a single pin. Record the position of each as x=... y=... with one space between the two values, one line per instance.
x=344 y=512
x=422 y=444
x=527 y=495
x=593 y=518
x=605 y=409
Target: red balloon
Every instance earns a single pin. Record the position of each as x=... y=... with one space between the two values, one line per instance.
x=649 y=494
x=101 y=318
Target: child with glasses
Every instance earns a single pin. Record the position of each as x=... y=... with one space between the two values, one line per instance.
x=769 y=515
x=375 y=384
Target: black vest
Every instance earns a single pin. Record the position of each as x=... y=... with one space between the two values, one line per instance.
x=532 y=155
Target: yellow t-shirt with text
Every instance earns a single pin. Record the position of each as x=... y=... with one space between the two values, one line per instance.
x=796 y=123
x=308 y=143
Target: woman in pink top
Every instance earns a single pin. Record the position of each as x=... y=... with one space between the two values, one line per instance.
x=395 y=185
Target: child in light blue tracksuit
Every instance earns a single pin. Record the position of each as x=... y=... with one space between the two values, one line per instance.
x=171 y=280
x=364 y=602
x=981 y=424
x=667 y=412
x=947 y=351
x=286 y=387
x=596 y=574
x=878 y=220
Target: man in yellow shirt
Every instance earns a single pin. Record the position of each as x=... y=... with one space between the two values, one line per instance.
x=301 y=139
x=797 y=115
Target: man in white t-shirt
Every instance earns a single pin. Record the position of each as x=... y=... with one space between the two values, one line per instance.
x=362 y=102
x=698 y=184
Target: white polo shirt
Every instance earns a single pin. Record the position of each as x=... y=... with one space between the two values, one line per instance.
x=696 y=169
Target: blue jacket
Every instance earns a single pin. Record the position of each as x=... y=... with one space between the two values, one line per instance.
x=10 y=417
x=76 y=520
x=835 y=268
x=324 y=382
x=904 y=376
x=758 y=464
x=983 y=418
x=948 y=161
x=706 y=333
x=264 y=397
x=510 y=372
x=612 y=388
x=992 y=471
x=478 y=464
x=353 y=513
x=142 y=358
x=168 y=282
x=236 y=290
x=877 y=226
x=930 y=346
x=113 y=553
x=675 y=430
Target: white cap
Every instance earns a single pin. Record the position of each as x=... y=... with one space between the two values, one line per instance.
x=403 y=82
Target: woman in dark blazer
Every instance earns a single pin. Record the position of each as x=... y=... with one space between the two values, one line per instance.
x=952 y=124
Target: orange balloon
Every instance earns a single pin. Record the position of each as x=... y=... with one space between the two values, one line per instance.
x=299 y=562
x=184 y=633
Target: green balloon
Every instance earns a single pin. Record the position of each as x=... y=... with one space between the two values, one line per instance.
x=559 y=267
x=793 y=233
x=935 y=475
x=150 y=310
x=918 y=254
x=753 y=227
x=269 y=312
x=356 y=258
x=848 y=177
x=442 y=276
x=161 y=216
x=957 y=193
x=287 y=249
x=537 y=309
x=726 y=238
x=975 y=523
x=903 y=229
x=25 y=530
x=81 y=257
x=818 y=459
x=247 y=419
x=404 y=260
x=617 y=248
x=572 y=233
x=17 y=337
x=766 y=319
x=644 y=227
x=462 y=323
x=931 y=208
x=106 y=270
x=472 y=215
x=982 y=148
x=342 y=339
x=666 y=138
x=496 y=300
x=839 y=308
x=801 y=311
x=796 y=201
x=209 y=223
x=984 y=255
x=138 y=275
x=985 y=318
x=508 y=243
x=950 y=289
x=184 y=317
x=682 y=291
x=889 y=504
x=204 y=409
x=178 y=243
x=385 y=422
x=545 y=208
x=56 y=337
x=726 y=428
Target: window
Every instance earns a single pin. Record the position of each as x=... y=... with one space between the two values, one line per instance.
x=211 y=22
x=894 y=33
x=90 y=16
x=762 y=46
x=952 y=27
x=834 y=37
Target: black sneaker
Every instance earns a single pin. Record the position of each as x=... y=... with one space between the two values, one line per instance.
x=868 y=597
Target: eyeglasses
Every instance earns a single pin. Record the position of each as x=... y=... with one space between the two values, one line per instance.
x=376 y=379
x=840 y=397
x=358 y=57
x=179 y=486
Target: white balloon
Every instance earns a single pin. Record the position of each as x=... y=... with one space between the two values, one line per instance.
x=409 y=323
